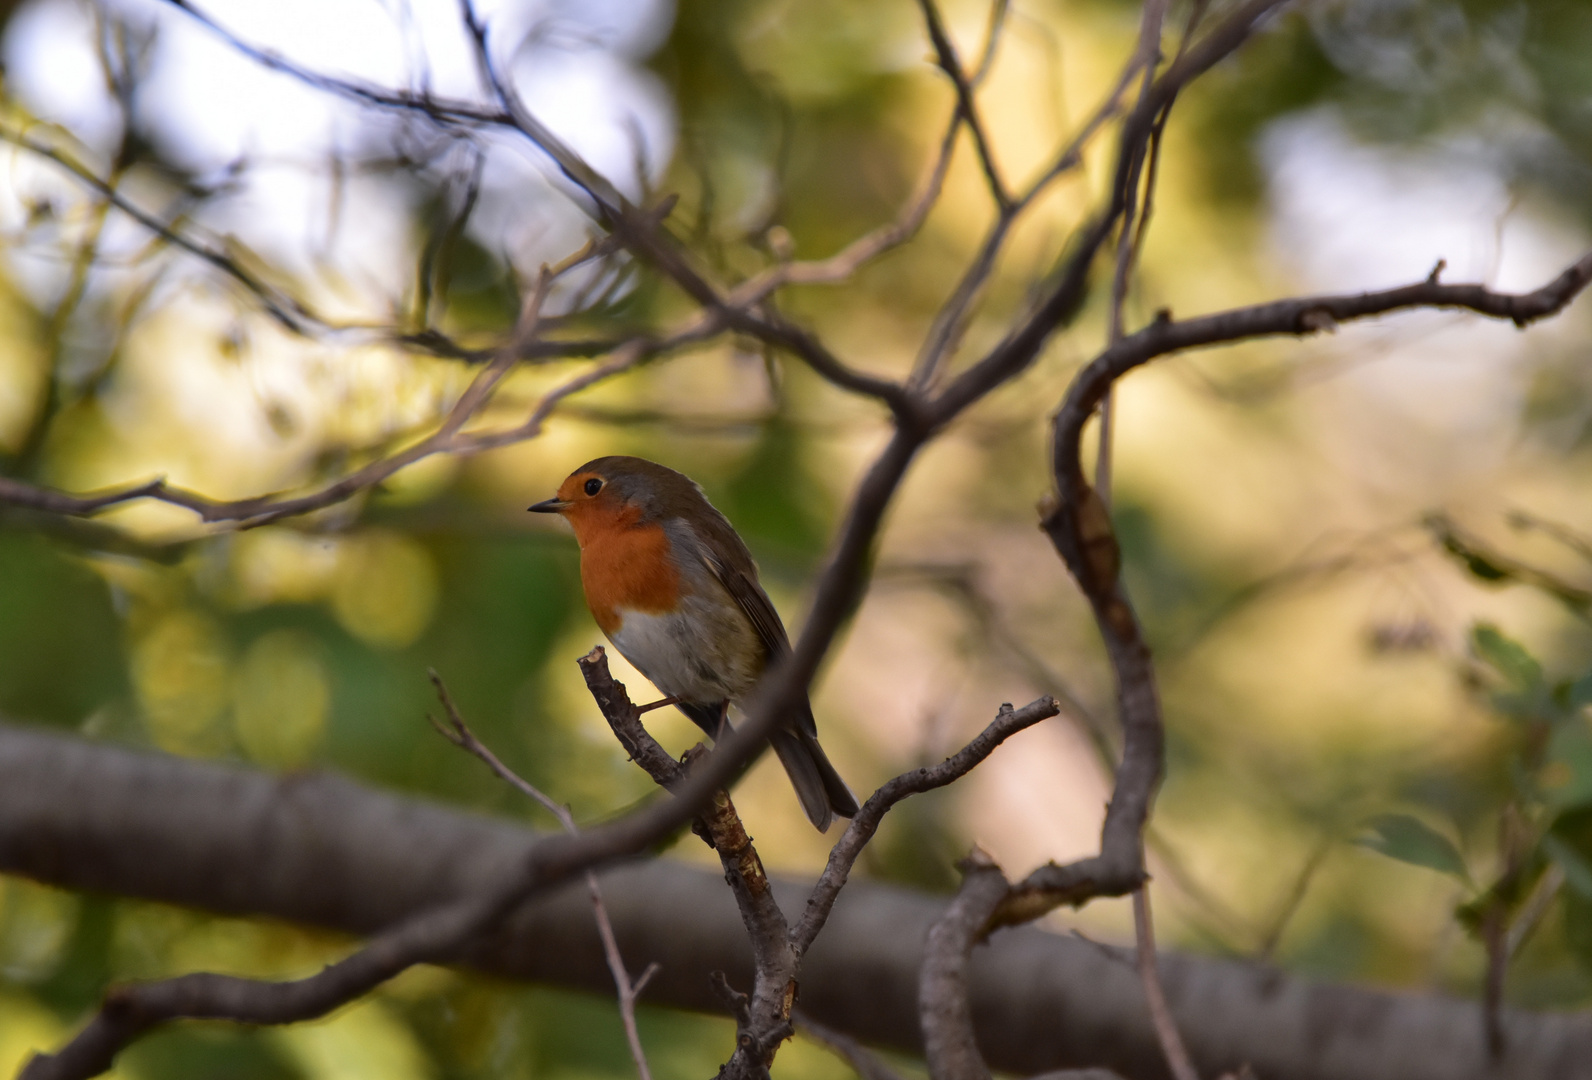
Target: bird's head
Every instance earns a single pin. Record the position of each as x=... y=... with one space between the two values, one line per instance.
x=618 y=492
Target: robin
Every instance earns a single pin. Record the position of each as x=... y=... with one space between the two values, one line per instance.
x=673 y=587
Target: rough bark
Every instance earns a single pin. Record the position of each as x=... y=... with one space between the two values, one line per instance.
x=322 y=850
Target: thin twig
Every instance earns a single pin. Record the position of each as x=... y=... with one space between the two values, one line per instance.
x=459 y=734
x=1296 y=896
x=292 y=313
x=1130 y=231
x=867 y=1064
x=951 y=320
x=945 y=55
x=1007 y=723
x=848 y=260
x=1166 y=1032
x=992 y=37
x=262 y=509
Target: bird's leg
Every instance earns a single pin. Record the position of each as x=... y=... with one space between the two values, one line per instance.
x=657 y=705
x=724 y=721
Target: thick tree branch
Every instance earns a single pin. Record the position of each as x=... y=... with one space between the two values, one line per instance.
x=320 y=850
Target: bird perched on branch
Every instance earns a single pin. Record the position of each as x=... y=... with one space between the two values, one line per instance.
x=673 y=587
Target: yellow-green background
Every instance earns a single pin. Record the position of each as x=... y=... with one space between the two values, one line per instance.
x=1270 y=506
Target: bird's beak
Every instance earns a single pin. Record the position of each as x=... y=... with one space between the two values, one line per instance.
x=549 y=506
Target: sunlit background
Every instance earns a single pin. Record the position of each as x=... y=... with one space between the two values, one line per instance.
x=1313 y=530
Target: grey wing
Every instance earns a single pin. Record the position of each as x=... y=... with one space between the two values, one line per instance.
x=753 y=601
x=759 y=610
x=823 y=793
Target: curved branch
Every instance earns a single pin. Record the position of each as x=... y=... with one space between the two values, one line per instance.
x=1299 y=317
x=944 y=1005
x=1080 y=528
x=862 y=828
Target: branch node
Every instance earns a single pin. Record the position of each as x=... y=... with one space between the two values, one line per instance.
x=1317 y=320
x=737 y=1002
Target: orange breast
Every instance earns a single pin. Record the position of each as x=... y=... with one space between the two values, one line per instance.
x=624 y=565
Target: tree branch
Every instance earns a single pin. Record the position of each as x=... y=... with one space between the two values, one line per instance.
x=1166 y=1033
x=943 y=1000
x=763 y=1020
x=459 y=734
x=945 y=55
x=862 y=828
x=317 y=849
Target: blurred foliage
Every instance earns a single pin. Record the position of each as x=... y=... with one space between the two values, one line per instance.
x=1377 y=701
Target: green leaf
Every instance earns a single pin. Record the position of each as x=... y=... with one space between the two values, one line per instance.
x=1407 y=839
x=1506 y=656
x=1520 y=692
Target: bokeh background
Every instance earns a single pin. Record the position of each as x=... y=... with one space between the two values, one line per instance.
x=1363 y=559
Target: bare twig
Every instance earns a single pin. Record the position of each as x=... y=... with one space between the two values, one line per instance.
x=961 y=582
x=262 y=509
x=945 y=56
x=642 y=238
x=1576 y=542
x=992 y=37
x=1166 y=1033
x=1500 y=566
x=1023 y=342
x=1495 y=939
x=1534 y=908
x=862 y=828
x=289 y=311
x=952 y=318
x=1296 y=896
x=847 y=261
x=867 y=1064
x=459 y=734
x=1130 y=233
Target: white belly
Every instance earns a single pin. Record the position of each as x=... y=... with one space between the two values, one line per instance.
x=693 y=659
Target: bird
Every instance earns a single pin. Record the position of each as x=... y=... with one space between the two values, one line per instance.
x=673 y=587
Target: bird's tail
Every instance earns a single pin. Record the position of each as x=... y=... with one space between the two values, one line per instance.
x=822 y=792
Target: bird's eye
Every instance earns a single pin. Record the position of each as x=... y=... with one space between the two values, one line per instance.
x=593 y=486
